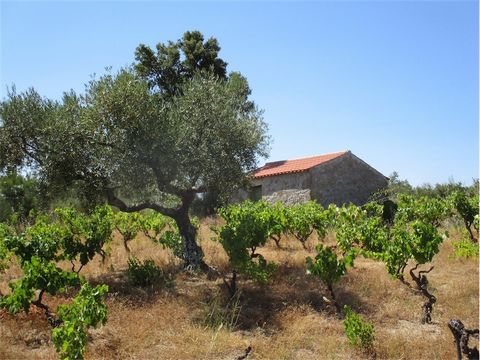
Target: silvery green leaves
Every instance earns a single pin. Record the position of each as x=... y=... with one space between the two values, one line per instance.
x=152 y=136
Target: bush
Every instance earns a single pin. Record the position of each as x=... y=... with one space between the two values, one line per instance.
x=359 y=332
x=88 y=309
x=18 y=196
x=465 y=248
x=172 y=240
x=145 y=274
x=327 y=266
x=247 y=227
x=38 y=249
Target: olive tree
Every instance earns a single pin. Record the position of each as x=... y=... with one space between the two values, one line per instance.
x=129 y=143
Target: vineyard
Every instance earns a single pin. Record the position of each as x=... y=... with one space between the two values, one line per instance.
x=379 y=281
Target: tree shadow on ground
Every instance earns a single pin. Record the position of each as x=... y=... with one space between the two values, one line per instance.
x=261 y=306
x=356 y=302
x=291 y=287
x=121 y=289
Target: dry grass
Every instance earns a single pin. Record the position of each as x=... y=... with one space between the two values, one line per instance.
x=289 y=318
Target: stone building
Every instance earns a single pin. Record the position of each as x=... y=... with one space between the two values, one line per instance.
x=338 y=178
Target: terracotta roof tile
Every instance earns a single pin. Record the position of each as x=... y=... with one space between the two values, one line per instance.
x=293 y=166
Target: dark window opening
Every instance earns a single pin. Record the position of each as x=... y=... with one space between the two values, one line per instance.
x=256 y=193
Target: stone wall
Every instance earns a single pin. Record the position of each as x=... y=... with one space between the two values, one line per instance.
x=345 y=179
x=287 y=188
x=239 y=196
x=289 y=197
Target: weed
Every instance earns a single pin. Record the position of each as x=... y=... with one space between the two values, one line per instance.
x=218 y=314
x=360 y=333
x=146 y=274
x=465 y=247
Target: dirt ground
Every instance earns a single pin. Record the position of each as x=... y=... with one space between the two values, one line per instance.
x=291 y=317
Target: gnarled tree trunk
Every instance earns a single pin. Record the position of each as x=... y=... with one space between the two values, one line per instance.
x=193 y=254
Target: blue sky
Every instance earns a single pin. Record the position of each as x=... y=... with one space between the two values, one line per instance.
x=396 y=82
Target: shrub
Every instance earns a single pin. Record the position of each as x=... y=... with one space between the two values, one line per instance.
x=465 y=248
x=467 y=208
x=88 y=309
x=145 y=274
x=18 y=196
x=303 y=219
x=359 y=332
x=128 y=225
x=39 y=248
x=172 y=240
x=247 y=227
x=329 y=268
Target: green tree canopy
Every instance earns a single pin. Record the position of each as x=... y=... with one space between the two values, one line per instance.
x=18 y=195
x=176 y=62
x=125 y=141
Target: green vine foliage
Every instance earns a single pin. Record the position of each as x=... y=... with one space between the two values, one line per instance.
x=465 y=248
x=278 y=221
x=303 y=219
x=328 y=266
x=4 y=253
x=413 y=233
x=154 y=223
x=424 y=242
x=68 y=235
x=359 y=332
x=157 y=227
x=171 y=239
x=406 y=240
x=429 y=210
x=85 y=234
x=42 y=240
x=72 y=236
x=86 y=310
x=164 y=231
x=360 y=227
x=467 y=208
x=248 y=226
x=128 y=225
x=38 y=274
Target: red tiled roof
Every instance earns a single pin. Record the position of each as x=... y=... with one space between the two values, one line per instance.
x=293 y=166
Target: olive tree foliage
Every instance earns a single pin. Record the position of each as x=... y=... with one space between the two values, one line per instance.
x=176 y=62
x=125 y=141
x=18 y=196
